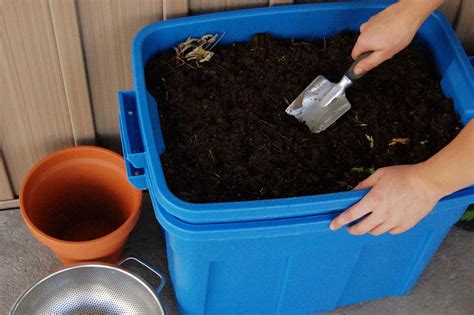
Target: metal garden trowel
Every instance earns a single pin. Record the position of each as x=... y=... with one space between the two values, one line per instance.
x=323 y=102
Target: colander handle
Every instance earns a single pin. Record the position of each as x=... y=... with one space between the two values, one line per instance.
x=147 y=266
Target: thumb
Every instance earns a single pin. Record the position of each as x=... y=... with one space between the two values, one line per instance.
x=371 y=180
x=370 y=62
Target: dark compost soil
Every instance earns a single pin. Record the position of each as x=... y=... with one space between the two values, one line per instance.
x=228 y=138
x=466 y=225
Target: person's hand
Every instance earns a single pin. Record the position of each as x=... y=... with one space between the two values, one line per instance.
x=400 y=197
x=390 y=31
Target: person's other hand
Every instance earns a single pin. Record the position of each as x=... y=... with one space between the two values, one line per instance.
x=400 y=197
x=387 y=33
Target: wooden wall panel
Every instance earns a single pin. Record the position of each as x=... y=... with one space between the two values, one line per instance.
x=9 y=204
x=279 y=2
x=450 y=8
x=108 y=28
x=34 y=115
x=200 y=6
x=6 y=192
x=465 y=25
x=175 y=8
x=68 y=39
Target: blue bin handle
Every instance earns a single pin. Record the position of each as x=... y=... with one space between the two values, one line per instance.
x=132 y=143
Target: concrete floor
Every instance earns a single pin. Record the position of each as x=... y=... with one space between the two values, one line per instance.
x=446 y=287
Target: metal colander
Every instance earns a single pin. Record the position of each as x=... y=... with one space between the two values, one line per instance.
x=91 y=289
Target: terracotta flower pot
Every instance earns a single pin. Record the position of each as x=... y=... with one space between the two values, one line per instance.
x=79 y=203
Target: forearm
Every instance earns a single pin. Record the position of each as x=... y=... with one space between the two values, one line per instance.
x=452 y=168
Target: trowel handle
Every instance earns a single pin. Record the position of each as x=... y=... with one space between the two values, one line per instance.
x=350 y=73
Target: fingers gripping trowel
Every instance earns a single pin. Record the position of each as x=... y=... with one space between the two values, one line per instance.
x=323 y=102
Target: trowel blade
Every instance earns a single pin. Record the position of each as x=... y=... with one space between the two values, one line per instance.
x=308 y=108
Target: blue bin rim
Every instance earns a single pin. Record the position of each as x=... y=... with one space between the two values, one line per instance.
x=243 y=211
x=279 y=226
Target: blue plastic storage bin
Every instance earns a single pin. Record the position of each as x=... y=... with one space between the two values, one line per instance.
x=279 y=256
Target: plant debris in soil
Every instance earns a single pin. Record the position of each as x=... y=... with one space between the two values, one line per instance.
x=197 y=50
x=228 y=138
